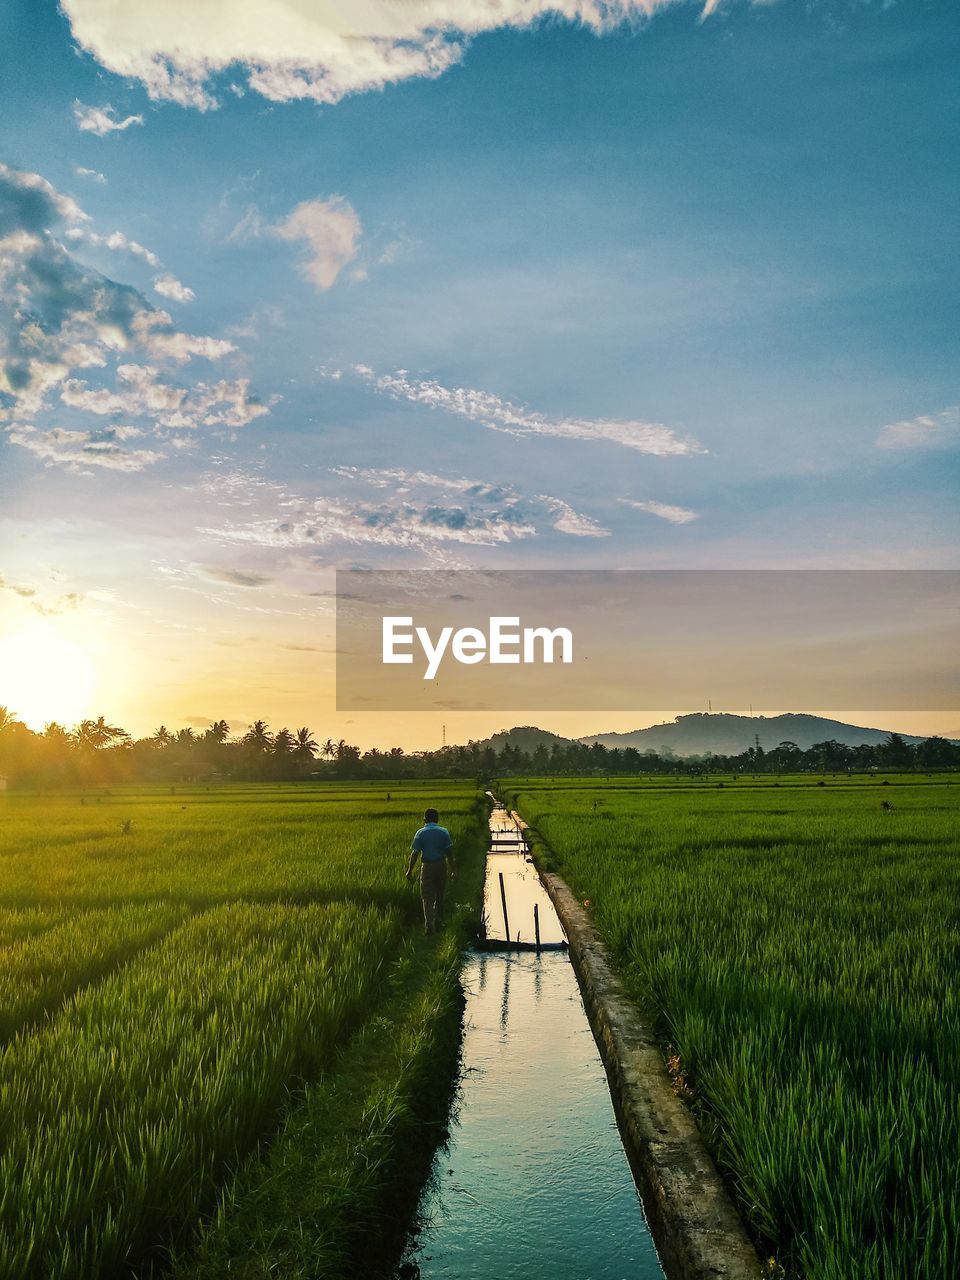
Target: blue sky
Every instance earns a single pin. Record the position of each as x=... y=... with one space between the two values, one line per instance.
x=672 y=291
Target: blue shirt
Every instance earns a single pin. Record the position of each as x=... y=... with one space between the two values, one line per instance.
x=432 y=842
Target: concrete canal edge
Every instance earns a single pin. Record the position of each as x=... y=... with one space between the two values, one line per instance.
x=696 y=1228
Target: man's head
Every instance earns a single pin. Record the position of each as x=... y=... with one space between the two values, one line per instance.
x=431 y=815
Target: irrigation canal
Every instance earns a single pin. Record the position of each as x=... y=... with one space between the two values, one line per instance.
x=534 y=1179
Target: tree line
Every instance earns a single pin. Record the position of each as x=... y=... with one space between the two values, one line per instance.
x=96 y=752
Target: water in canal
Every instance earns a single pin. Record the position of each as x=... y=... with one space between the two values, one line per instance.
x=534 y=1180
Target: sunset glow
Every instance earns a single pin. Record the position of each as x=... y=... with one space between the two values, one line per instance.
x=45 y=675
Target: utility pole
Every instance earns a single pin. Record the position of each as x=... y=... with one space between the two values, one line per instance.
x=444 y=734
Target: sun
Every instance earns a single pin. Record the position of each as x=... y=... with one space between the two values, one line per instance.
x=45 y=675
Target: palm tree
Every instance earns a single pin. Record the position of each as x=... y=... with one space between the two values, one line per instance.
x=283 y=743
x=218 y=732
x=95 y=734
x=163 y=737
x=8 y=719
x=55 y=732
x=329 y=749
x=305 y=747
x=185 y=738
x=258 y=736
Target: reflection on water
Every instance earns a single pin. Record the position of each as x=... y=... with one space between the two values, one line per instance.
x=522 y=890
x=534 y=1180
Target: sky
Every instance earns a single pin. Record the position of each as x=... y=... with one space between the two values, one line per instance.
x=291 y=287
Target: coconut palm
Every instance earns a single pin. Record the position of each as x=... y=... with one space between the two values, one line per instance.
x=7 y=719
x=258 y=736
x=283 y=743
x=163 y=737
x=94 y=734
x=329 y=749
x=218 y=732
x=305 y=747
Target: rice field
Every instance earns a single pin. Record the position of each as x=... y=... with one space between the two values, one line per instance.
x=796 y=946
x=180 y=972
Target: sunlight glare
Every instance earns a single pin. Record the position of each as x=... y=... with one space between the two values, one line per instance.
x=44 y=675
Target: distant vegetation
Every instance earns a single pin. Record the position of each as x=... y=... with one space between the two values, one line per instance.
x=796 y=949
x=96 y=752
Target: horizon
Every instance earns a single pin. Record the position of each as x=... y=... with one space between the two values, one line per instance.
x=447 y=735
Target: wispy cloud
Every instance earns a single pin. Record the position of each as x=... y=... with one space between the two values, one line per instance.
x=664 y=511
x=501 y=415
x=102 y=120
x=541 y=509
x=46 y=605
x=166 y=284
x=116 y=241
x=94 y=175
x=141 y=391
x=236 y=577
x=400 y=511
x=79 y=451
x=317 y=52
x=330 y=231
x=929 y=431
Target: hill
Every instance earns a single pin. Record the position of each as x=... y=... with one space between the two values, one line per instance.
x=524 y=737
x=697 y=734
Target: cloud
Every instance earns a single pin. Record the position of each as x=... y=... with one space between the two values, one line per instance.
x=407 y=525
x=29 y=205
x=566 y=520
x=51 y=608
x=58 y=316
x=423 y=512
x=140 y=391
x=664 y=511
x=543 y=508
x=25 y=593
x=78 y=451
x=167 y=285
x=500 y=415
x=330 y=229
x=170 y=287
x=235 y=578
x=932 y=431
x=317 y=52
x=93 y=174
x=116 y=241
x=101 y=120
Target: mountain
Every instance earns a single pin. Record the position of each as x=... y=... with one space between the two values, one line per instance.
x=695 y=735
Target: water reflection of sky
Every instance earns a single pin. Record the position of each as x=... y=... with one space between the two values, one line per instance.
x=524 y=891
x=534 y=1179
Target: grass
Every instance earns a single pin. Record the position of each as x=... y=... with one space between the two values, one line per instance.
x=316 y=1205
x=188 y=976
x=797 y=948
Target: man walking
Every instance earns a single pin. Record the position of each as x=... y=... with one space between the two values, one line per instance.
x=433 y=844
